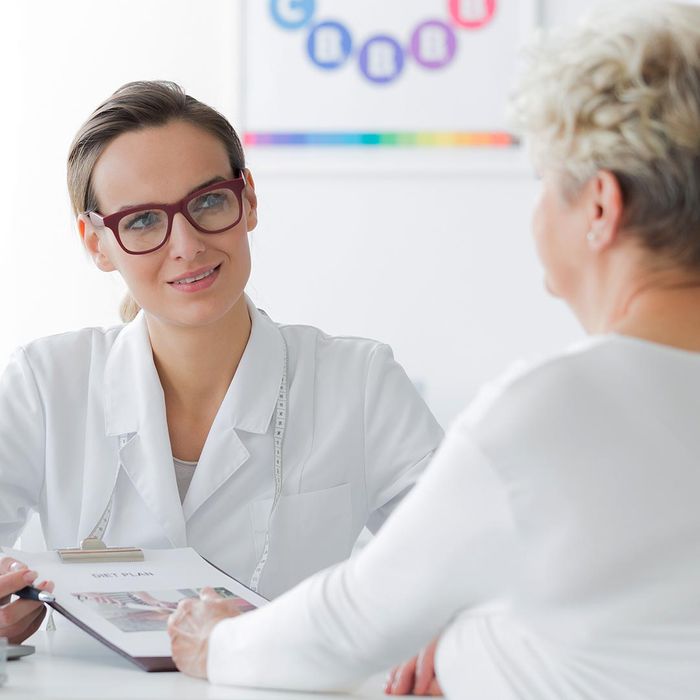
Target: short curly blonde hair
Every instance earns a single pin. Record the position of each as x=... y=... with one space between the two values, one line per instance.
x=621 y=92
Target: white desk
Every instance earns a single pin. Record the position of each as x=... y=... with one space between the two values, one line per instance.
x=70 y=664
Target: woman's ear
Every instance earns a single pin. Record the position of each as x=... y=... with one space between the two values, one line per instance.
x=94 y=244
x=608 y=205
x=250 y=200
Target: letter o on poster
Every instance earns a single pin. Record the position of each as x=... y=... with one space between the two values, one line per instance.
x=381 y=59
x=329 y=45
x=433 y=44
x=292 y=14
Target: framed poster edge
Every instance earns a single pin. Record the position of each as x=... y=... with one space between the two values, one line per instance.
x=284 y=160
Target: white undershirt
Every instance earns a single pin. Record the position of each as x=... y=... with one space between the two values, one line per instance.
x=184 y=471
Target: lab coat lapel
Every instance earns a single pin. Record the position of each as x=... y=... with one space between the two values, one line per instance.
x=223 y=455
x=135 y=416
x=247 y=407
x=147 y=459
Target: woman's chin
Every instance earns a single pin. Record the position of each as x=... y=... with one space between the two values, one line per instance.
x=192 y=316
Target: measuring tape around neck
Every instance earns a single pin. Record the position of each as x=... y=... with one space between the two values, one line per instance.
x=279 y=428
x=101 y=527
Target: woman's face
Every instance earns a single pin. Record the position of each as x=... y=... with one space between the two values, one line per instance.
x=559 y=228
x=162 y=165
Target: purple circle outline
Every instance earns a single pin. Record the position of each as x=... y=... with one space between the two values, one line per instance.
x=451 y=44
x=384 y=38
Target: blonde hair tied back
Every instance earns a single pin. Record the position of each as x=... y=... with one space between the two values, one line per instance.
x=128 y=308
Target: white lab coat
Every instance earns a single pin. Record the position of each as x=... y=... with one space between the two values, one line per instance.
x=82 y=417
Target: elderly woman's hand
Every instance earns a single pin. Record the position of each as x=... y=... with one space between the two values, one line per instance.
x=190 y=625
x=415 y=677
x=21 y=618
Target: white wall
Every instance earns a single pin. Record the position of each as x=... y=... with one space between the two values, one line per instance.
x=60 y=59
x=441 y=269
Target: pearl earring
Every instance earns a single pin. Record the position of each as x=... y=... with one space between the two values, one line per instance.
x=592 y=236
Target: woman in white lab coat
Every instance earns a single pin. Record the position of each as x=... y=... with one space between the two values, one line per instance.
x=553 y=545
x=201 y=422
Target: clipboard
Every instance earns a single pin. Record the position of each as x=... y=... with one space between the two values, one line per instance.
x=94 y=550
x=124 y=604
x=151 y=664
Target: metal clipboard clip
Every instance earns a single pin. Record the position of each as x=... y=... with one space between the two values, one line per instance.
x=93 y=549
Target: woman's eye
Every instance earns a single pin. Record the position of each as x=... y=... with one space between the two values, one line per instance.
x=211 y=200
x=142 y=221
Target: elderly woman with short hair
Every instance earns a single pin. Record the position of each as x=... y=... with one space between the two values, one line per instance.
x=554 y=543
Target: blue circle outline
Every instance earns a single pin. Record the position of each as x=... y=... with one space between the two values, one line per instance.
x=290 y=26
x=346 y=41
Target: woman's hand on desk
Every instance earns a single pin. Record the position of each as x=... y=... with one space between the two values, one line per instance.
x=415 y=677
x=21 y=618
x=189 y=627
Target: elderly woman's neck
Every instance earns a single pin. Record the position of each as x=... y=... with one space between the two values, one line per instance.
x=661 y=306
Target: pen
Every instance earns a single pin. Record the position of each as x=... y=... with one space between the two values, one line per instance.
x=31 y=593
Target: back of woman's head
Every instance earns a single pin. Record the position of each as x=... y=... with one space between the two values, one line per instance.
x=136 y=106
x=621 y=92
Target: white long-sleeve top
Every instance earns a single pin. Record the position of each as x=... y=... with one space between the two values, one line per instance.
x=554 y=543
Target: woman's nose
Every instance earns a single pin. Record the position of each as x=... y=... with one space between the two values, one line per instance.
x=185 y=241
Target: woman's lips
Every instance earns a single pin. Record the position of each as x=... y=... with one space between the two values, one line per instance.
x=196 y=282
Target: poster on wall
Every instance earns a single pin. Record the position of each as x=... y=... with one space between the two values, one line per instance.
x=332 y=84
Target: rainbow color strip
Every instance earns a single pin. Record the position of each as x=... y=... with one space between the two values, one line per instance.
x=439 y=139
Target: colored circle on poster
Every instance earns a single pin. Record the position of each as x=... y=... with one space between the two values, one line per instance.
x=381 y=59
x=329 y=45
x=433 y=44
x=292 y=14
x=472 y=14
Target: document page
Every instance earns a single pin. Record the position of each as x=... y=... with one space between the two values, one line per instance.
x=127 y=604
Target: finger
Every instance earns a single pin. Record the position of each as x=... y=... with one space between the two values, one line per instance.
x=172 y=628
x=423 y=682
x=179 y=658
x=186 y=605
x=185 y=617
x=174 y=620
x=14 y=580
x=8 y=564
x=25 y=627
x=403 y=681
x=434 y=690
x=47 y=586
x=13 y=613
x=390 y=680
x=229 y=606
x=210 y=594
x=33 y=627
x=425 y=670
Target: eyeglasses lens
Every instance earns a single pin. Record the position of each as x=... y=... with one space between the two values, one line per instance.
x=214 y=210
x=143 y=230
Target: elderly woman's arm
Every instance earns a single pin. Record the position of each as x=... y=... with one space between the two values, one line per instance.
x=447 y=547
